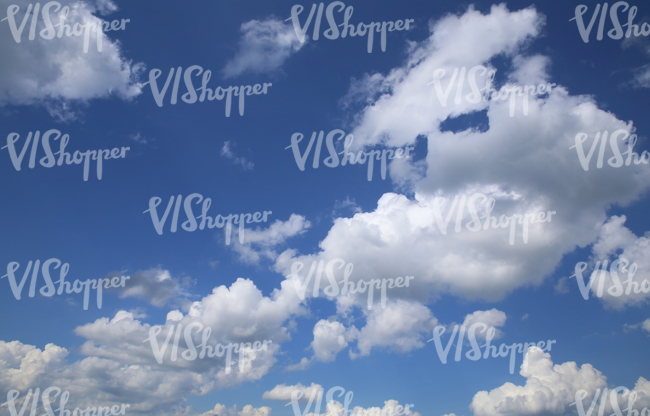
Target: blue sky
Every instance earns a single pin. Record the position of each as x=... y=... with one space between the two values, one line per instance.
x=381 y=226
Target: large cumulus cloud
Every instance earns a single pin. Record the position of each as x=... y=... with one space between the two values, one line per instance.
x=57 y=73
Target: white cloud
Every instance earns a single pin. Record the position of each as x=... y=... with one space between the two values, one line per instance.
x=264 y=46
x=335 y=407
x=407 y=106
x=236 y=314
x=248 y=410
x=156 y=286
x=642 y=77
x=387 y=410
x=94 y=381
x=646 y=325
x=551 y=389
x=526 y=164
x=618 y=242
x=261 y=243
x=562 y=285
x=492 y=319
x=236 y=160
x=120 y=368
x=140 y=139
x=302 y=365
x=105 y=7
x=282 y=392
x=401 y=326
x=330 y=337
x=57 y=73
x=347 y=204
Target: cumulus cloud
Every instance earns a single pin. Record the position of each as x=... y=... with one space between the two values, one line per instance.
x=236 y=314
x=120 y=365
x=263 y=47
x=95 y=381
x=248 y=410
x=551 y=389
x=282 y=392
x=335 y=407
x=492 y=319
x=401 y=327
x=303 y=364
x=541 y=172
x=455 y=41
x=236 y=160
x=260 y=244
x=387 y=410
x=617 y=242
x=315 y=393
x=156 y=286
x=330 y=337
x=57 y=73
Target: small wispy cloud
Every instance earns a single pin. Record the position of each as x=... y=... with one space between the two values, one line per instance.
x=139 y=138
x=346 y=206
x=264 y=46
x=228 y=154
x=562 y=286
x=261 y=243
